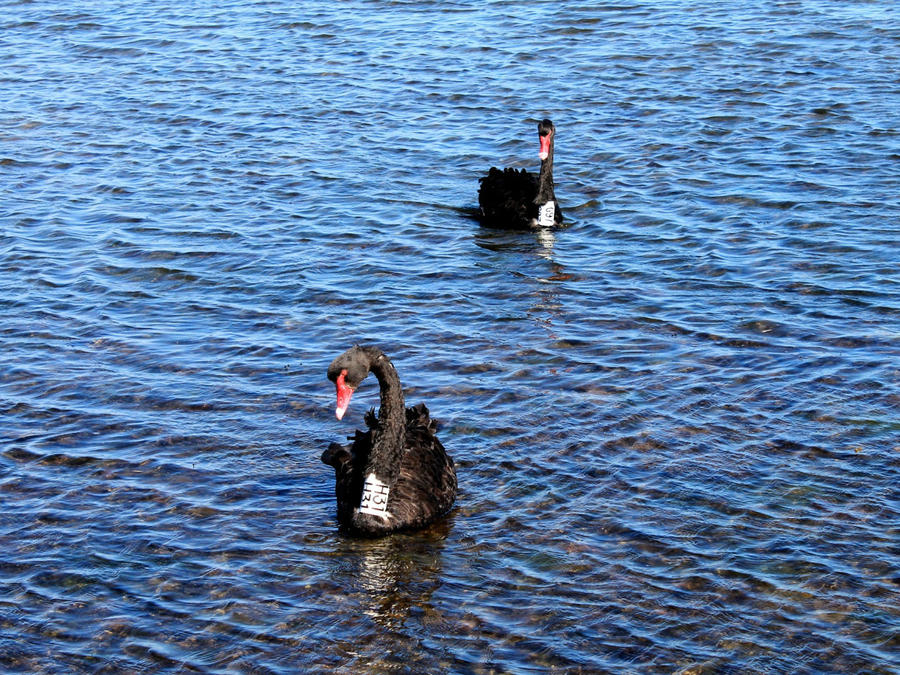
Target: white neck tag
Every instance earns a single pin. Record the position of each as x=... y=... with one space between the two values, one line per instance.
x=546 y=213
x=374 y=497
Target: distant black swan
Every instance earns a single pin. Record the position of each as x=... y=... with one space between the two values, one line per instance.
x=516 y=199
x=396 y=475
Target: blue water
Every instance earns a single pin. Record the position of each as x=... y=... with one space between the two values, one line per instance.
x=675 y=422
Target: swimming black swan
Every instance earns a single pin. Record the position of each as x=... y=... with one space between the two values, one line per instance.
x=516 y=199
x=396 y=475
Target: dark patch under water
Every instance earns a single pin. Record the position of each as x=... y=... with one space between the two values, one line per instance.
x=675 y=422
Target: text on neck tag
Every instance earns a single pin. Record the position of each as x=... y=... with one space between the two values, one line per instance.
x=374 y=497
x=546 y=213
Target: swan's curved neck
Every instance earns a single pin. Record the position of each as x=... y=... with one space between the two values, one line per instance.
x=545 y=179
x=389 y=438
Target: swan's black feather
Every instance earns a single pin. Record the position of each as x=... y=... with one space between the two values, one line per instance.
x=510 y=198
x=425 y=485
x=506 y=198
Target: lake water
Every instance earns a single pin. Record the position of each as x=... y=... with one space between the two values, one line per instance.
x=675 y=422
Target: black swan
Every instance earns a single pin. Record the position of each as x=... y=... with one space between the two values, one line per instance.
x=396 y=475
x=516 y=199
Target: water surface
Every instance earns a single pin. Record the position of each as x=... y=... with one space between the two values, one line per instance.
x=675 y=422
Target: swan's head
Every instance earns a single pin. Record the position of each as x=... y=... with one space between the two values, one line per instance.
x=545 y=133
x=347 y=371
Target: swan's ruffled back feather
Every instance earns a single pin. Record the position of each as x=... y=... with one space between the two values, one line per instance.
x=426 y=484
x=506 y=198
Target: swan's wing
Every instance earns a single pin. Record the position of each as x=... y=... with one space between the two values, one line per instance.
x=426 y=485
x=506 y=198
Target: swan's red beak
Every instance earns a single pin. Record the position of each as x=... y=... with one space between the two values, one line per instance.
x=344 y=392
x=545 y=147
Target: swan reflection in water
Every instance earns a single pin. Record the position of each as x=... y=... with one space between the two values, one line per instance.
x=546 y=238
x=530 y=256
x=394 y=577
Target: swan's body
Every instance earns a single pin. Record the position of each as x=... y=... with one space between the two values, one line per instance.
x=396 y=475
x=516 y=199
